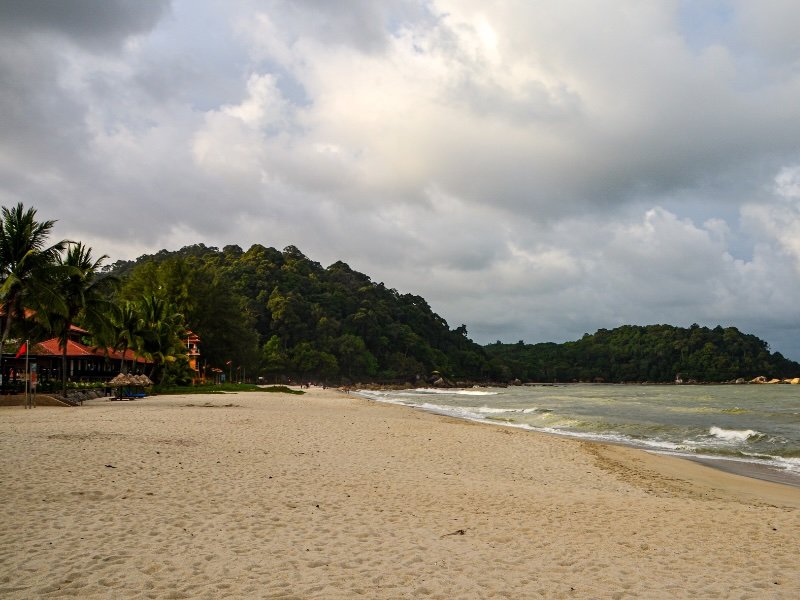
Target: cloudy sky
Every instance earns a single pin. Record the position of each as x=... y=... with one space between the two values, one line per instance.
x=534 y=169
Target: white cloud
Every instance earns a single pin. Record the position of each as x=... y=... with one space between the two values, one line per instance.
x=534 y=169
x=777 y=223
x=787 y=183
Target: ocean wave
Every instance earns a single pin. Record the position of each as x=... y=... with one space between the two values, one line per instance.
x=614 y=438
x=499 y=419
x=446 y=392
x=489 y=410
x=442 y=392
x=694 y=409
x=492 y=410
x=430 y=406
x=465 y=412
x=735 y=435
x=790 y=464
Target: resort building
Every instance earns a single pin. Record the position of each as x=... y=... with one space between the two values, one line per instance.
x=193 y=352
x=84 y=362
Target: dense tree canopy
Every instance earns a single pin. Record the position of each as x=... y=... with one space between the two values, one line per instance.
x=282 y=314
x=657 y=353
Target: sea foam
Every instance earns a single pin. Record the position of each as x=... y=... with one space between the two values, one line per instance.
x=447 y=392
x=734 y=435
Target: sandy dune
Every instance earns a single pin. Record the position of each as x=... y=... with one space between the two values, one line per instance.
x=331 y=496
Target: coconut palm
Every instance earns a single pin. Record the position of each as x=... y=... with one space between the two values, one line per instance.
x=127 y=332
x=28 y=268
x=162 y=328
x=85 y=296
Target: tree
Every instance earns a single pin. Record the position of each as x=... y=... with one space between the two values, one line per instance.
x=221 y=320
x=273 y=358
x=28 y=268
x=162 y=331
x=201 y=290
x=237 y=302
x=85 y=295
x=353 y=356
x=127 y=329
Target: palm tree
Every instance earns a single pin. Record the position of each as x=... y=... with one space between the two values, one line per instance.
x=127 y=331
x=28 y=268
x=85 y=295
x=162 y=328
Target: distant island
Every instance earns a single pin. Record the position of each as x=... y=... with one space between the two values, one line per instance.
x=279 y=315
x=652 y=353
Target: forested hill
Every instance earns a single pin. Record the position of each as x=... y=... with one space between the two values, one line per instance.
x=281 y=314
x=656 y=353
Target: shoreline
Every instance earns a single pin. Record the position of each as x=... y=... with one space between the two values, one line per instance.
x=332 y=495
x=731 y=466
x=742 y=466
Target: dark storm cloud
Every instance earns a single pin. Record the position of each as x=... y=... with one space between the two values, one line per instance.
x=41 y=119
x=91 y=23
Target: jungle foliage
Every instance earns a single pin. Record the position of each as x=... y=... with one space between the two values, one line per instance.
x=656 y=353
x=280 y=314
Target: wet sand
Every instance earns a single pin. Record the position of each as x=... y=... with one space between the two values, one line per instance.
x=332 y=496
x=753 y=470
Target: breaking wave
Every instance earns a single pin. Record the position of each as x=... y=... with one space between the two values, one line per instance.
x=735 y=435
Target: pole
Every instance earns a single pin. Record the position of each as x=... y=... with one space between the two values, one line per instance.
x=34 y=381
x=28 y=403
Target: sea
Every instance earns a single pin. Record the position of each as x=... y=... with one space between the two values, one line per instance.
x=752 y=430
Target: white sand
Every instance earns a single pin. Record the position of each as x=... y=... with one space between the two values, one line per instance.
x=332 y=496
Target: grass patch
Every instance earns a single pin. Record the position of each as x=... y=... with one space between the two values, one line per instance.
x=281 y=389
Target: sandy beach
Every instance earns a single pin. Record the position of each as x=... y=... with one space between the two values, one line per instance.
x=329 y=495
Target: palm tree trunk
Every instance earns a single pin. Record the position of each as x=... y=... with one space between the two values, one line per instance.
x=64 y=371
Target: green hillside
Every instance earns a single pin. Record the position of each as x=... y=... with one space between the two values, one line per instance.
x=281 y=314
x=657 y=353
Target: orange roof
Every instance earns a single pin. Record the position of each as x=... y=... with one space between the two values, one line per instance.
x=52 y=347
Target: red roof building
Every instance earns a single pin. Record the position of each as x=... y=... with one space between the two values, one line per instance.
x=84 y=363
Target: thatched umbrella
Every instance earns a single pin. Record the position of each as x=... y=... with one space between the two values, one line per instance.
x=121 y=380
x=142 y=380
